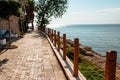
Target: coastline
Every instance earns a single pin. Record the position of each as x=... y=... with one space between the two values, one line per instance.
x=89 y=54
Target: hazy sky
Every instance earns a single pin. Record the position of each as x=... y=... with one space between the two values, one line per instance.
x=90 y=12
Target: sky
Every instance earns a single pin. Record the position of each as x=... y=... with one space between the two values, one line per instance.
x=90 y=12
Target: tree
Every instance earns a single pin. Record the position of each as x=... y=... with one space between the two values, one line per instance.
x=7 y=9
x=30 y=8
x=46 y=9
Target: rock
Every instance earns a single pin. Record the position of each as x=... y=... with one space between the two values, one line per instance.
x=82 y=51
x=85 y=52
x=69 y=41
x=87 y=48
x=89 y=54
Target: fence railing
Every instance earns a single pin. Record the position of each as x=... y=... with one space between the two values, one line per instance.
x=111 y=56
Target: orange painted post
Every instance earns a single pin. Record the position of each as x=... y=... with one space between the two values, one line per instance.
x=64 y=47
x=48 y=32
x=76 y=53
x=45 y=30
x=110 y=68
x=55 y=37
x=58 y=41
x=52 y=35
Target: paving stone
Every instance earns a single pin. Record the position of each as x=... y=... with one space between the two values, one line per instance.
x=32 y=60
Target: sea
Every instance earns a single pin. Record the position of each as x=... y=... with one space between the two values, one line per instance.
x=100 y=37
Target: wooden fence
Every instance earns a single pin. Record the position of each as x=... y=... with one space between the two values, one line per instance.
x=111 y=56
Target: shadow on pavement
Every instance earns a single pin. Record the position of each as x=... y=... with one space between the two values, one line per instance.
x=4 y=61
x=2 y=51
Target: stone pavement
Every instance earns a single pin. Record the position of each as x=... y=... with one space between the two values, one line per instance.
x=32 y=60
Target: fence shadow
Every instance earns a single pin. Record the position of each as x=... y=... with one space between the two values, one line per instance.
x=3 y=51
x=4 y=61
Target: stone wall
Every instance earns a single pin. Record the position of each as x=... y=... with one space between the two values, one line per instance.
x=14 y=24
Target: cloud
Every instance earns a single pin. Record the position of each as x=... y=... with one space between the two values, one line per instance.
x=110 y=10
x=104 y=16
x=111 y=15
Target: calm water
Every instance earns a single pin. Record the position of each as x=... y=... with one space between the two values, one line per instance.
x=99 y=37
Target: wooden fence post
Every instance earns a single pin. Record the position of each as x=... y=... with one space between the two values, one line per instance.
x=58 y=41
x=110 y=68
x=55 y=37
x=52 y=35
x=76 y=53
x=64 y=46
x=48 y=32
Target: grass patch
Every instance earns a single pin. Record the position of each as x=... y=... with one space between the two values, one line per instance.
x=90 y=70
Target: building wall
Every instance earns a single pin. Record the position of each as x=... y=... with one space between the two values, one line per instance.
x=14 y=21
x=14 y=24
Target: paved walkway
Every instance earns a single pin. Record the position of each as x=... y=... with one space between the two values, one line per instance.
x=32 y=60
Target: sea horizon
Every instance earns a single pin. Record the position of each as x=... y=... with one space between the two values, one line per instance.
x=63 y=25
x=101 y=37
